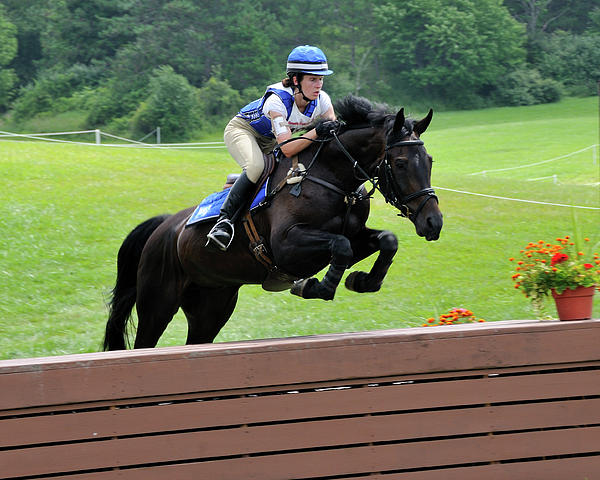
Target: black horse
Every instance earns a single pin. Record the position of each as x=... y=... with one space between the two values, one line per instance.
x=163 y=265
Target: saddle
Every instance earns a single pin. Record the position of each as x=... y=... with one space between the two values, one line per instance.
x=276 y=280
x=210 y=207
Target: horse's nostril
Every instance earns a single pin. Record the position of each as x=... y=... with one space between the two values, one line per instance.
x=431 y=223
x=434 y=223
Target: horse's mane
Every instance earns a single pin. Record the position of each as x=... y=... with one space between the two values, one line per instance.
x=354 y=111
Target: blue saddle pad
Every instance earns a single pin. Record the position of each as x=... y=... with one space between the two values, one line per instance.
x=210 y=207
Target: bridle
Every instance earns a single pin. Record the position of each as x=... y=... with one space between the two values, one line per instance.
x=395 y=197
x=383 y=169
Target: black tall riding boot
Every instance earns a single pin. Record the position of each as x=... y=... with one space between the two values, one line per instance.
x=239 y=195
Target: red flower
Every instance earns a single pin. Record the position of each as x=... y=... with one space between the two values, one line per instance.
x=588 y=266
x=558 y=258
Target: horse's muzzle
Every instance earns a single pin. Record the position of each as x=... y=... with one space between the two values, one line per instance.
x=430 y=225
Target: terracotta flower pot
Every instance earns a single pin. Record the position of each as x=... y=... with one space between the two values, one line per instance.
x=574 y=304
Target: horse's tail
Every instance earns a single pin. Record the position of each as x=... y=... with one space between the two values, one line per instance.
x=125 y=291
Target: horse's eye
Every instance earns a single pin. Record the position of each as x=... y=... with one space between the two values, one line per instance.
x=400 y=161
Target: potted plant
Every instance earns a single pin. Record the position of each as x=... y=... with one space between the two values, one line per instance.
x=562 y=270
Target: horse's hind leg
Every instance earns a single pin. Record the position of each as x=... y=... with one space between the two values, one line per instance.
x=365 y=244
x=156 y=305
x=207 y=310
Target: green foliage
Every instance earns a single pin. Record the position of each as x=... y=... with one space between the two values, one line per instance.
x=218 y=100
x=573 y=60
x=56 y=91
x=95 y=24
x=444 y=48
x=8 y=50
x=546 y=16
x=527 y=87
x=595 y=22
x=172 y=106
x=116 y=100
x=451 y=53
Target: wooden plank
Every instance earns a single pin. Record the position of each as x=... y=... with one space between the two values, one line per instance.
x=231 y=412
x=574 y=468
x=260 y=439
x=304 y=388
x=252 y=364
x=366 y=459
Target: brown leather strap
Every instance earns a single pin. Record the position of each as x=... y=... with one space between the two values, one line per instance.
x=257 y=247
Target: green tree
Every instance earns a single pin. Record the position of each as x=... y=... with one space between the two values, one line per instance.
x=546 y=16
x=354 y=44
x=218 y=101
x=595 y=21
x=8 y=50
x=197 y=37
x=573 y=60
x=95 y=25
x=30 y=19
x=451 y=49
x=171 y=105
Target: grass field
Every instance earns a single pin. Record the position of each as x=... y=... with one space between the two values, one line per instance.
x=65 y=209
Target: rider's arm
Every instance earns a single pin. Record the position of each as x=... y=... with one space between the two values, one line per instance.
x=283 y=133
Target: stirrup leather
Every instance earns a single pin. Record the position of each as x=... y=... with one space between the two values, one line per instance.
x=221 y=234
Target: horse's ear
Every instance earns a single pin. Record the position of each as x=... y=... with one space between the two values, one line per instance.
x=422 y=125
x=399 y=122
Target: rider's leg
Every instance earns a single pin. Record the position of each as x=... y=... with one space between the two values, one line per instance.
x=242 y=144
x=239 y=197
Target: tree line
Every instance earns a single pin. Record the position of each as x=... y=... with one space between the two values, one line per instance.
x=131 y=65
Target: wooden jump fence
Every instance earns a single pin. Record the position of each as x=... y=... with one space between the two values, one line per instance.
x=504 y=400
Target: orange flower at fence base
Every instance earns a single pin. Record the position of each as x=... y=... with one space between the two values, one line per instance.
x=453 y=317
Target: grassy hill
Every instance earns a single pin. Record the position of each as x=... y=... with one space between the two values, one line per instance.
x=65 y=209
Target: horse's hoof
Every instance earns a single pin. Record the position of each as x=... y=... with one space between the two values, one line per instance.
x=299 y=286
x=351 y=281
x=355 y=282
x=311 y=288
x=358 y=282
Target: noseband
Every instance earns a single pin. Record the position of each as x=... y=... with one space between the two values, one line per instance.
x=394 y=197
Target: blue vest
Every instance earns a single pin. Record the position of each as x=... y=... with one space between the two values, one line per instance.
x=253 y=112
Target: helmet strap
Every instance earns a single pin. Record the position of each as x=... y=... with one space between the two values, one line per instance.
x=307 y=100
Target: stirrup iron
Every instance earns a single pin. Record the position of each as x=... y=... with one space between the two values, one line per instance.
x=222 y=242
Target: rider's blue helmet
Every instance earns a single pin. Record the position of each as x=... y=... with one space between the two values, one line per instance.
x=307 y=59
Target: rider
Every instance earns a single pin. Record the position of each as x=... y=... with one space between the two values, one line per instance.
x=286 y=107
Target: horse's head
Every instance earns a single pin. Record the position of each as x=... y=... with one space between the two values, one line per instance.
x=405 y=175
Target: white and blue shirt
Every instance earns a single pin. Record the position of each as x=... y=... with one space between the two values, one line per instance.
x=280 y=99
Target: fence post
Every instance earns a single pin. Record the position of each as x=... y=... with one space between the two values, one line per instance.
x=158 y=135
x=98 y=141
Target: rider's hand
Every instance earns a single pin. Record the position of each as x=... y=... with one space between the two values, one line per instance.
x=326 y=128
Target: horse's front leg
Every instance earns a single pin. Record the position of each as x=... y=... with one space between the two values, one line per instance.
x=365 y=244
x=312 y=245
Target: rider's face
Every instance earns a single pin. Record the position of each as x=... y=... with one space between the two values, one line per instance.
x=311 y=85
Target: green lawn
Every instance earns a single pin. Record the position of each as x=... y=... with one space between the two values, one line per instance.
x=65 y=209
